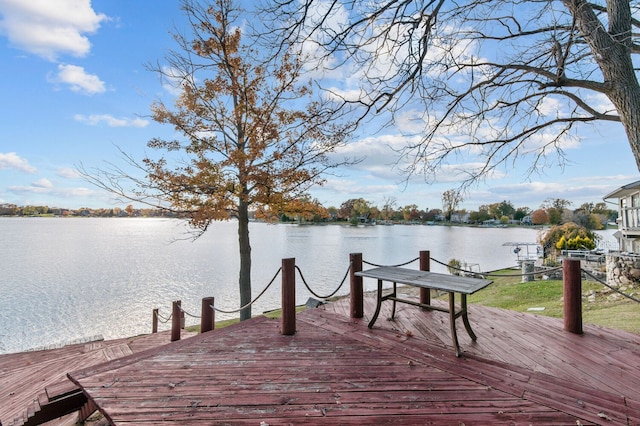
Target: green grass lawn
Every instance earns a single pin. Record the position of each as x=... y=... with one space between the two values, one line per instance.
x=510 y=293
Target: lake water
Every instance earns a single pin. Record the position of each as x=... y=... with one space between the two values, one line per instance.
x=64 y=280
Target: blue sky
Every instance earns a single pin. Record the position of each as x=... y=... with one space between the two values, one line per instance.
x=75 y=88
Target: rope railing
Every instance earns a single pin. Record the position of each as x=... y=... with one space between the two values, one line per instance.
x=593 y=277
x=490 y=274
x=163 y=319
x=332 y=293
x=572 y=276
x=395 y=266
x=189 y=315
x=166 y=319
x=254 y=300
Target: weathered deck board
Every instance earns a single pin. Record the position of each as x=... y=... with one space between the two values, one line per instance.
x=335 y=370
x=523 y=369
x=597 y=358
x=531 y=384
x=24 y=376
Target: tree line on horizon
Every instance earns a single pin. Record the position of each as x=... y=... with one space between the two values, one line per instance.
x=358 y=210
x=553 y=211
x=7 y=209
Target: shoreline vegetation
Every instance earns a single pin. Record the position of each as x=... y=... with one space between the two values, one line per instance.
x=600 y=306
x=361 y=212
x=330 y=222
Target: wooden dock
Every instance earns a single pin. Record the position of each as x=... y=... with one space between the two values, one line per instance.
x=523 y=369
x=334 y=370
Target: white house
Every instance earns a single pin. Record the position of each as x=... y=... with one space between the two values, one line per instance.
x=458 y=217
x=628 y=199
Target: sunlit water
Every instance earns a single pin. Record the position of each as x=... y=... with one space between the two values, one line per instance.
x=64 y=280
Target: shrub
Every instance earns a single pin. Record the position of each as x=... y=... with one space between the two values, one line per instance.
x=454 y=267
x=568 y=236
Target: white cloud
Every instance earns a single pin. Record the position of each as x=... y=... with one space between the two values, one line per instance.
x=318 y=62
x=173 y=80
x=50 y=28
x=577 y=190
x=79 y=80
x=549 y=106
x=11 y=160
x=68 y=173
x=77 y=192
x=111 y=121
x=29 y=189
x=42 y=183
x=543 y=141
x=335 y=191
x=601 y=102
x=45 y=187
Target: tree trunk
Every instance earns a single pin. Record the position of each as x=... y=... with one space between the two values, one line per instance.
x=612 y=51
x=245 y=259
x=628 y=100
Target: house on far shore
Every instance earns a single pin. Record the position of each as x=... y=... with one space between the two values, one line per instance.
x=628 y=200
x=460 y=217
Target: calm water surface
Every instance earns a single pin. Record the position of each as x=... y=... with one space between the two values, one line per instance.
x=68 y=279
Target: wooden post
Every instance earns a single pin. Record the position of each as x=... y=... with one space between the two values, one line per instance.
x=357 y=293
x=154 y=321
x=208 y=315
x=288 y=297
x=182 y=318
x=175 y=321
x=572 y=295
x=425 y=265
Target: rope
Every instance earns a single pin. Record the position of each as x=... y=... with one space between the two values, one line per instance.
x=628 y=296
x=188 y=314
x=489 y=274
x=317 y=295
x=163 y=319
x=522 y=274
x=254 y=300
x=395 y=266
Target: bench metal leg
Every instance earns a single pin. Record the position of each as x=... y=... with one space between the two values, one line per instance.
x=375 y=315
x=452 y=321
x=465 y=318
x=393 y=309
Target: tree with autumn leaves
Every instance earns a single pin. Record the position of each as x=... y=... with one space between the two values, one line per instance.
x=252 y=135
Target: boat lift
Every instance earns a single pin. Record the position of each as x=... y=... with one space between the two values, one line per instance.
x=526 y=251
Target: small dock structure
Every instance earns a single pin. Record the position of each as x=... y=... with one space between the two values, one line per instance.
x=329 y=367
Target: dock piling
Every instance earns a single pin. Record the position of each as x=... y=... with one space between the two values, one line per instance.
x=357 y=294
x=208 y=315
x=425 y=265
x=572 y=295
x=288 y=297
x=154 y=321
x=176 y=320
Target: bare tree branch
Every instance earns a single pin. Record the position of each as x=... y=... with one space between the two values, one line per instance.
x=508 y=79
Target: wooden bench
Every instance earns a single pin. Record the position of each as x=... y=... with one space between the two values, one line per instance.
x=429 y=280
